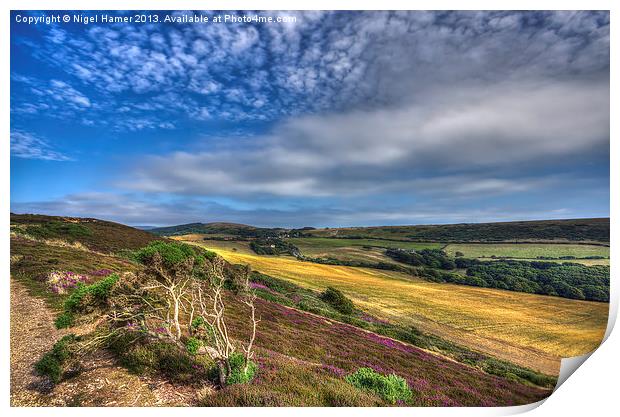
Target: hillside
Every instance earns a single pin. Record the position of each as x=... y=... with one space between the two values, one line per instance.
x=531 y=330
x=579 y=230
x=216 y=228
x=303 y=358
x=97 y=235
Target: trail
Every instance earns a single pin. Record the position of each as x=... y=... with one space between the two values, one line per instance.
x=32 y=334
x=101 y=383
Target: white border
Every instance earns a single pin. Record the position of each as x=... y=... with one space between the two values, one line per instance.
x=592 y=391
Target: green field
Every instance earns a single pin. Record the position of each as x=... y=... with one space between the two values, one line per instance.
x=355 y=250
x=526 y=250
x=321 y=244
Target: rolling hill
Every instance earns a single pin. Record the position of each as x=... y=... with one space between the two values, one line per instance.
x=577 y=230
x=97 y=235
x=303 y=358
x=532 y=330
x=215 y=228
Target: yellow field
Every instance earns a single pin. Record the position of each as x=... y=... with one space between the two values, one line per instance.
x=527 y=329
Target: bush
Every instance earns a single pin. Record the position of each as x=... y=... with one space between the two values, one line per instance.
x=192 y=345
x=52 y=364
x=141 y=356
x=434 y=258
x=237 y=373
x=338 y=300
x=273 y=246
x=392 y=388
x=64 y=320
x=99 y=292
x=173 y=253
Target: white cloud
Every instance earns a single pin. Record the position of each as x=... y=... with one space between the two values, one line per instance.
x=362 y=152
x=28 y=146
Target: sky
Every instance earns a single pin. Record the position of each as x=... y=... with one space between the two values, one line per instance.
x=329 y=119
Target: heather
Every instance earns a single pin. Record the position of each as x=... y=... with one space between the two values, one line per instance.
x=289 y=294
x=306 y=344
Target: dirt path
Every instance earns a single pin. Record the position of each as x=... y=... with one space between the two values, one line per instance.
x=32 y=334
x=101 y=383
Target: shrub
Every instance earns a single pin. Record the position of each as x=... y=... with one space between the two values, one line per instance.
x=172 y=253
x=238 y=375
x=99 y=292
x=434 y=258
x=192 y=344
x=141 y=356
x=338 y=300
x=392 y=388
x=64 y=320
x=52 y=364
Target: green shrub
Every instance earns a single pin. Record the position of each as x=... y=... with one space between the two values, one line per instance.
x=192 y=344
x=237 y=373
x=64 y=320
x=53 y=362
x=392 y=388
x=173 y=253
x=337 y=300
x=141 y=356
x=99 y=291
x=198 y=322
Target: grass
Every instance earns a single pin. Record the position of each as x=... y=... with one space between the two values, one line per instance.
x=530 y=330
x=302 y=357
x=319 y=244
x=289 y=294
x=35 y=260
x=97 y=235
x=282 y=381
x=231 y=245
x=526 y=251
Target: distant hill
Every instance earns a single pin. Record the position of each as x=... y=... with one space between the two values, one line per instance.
x=225 y=229
x=580 y=230
x=98 y=235
x=574 y=230
x=145 y=227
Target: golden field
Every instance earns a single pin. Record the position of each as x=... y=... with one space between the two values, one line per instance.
x=527 y=329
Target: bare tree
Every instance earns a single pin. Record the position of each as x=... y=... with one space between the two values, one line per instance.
x=209 y=298
x=176 y=283
x=249 y=296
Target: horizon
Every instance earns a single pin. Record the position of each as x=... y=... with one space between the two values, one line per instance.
x=138 y=225
x=336 y=119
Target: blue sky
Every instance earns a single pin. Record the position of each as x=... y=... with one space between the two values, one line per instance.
x=336 y=119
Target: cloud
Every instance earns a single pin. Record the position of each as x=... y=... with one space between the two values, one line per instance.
x=324 y=62
x=56 y=99
x=27 y=146
x=350 y=117
x=456 y=131
x=133 y=210
x=62 y=91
